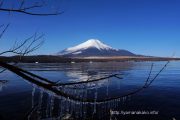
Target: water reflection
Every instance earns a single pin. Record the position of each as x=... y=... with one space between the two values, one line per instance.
x=84 y=71
x=51 y=106
x=96 y=99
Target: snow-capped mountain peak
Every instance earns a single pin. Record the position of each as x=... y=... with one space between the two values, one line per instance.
x=93 y=47
x=91 y=43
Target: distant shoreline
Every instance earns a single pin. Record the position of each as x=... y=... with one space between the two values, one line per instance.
x=127 y=58
x=60 y=59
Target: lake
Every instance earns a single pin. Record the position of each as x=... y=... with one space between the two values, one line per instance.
x=116 y=97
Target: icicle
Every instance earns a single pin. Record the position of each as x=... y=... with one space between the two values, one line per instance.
x=71 y=107
x=40 y=103
x=41 y=97
x=47 y=107
x=95 y=99
x=68 y=105
x=61 y=108
x=84 y=110
x=80 y=112
x=76 y=110
x=1 y=86
x=51 y=106
x=32 y=101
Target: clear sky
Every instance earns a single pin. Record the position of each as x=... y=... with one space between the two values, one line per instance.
x=149 y=27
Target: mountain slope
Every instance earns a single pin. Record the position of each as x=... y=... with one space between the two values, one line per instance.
x=93 y=47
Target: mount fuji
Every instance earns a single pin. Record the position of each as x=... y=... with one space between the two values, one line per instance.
x=93 y=47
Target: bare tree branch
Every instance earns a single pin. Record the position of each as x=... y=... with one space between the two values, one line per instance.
x=27 y=46
x=4 y=30
x=23 y=9
x=59 y=92
x=30 y=44
x=149 y=74
x=148 y=84
x=22 y=4
x=29 y=13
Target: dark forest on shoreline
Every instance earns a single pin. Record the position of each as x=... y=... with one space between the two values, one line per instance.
x=61 y=59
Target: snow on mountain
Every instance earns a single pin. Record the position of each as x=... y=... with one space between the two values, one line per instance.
x=93 y=47
x=88 y=44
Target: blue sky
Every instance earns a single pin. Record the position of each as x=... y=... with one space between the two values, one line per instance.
x=149 y=27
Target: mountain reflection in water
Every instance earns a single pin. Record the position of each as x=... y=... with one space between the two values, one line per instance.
x=20 y=100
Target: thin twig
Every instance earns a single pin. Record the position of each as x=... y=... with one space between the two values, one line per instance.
x=157 y=74
x=29 y=13
x=24 y=9
x=149 y=74
x=4 y=30
x=21 y=49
